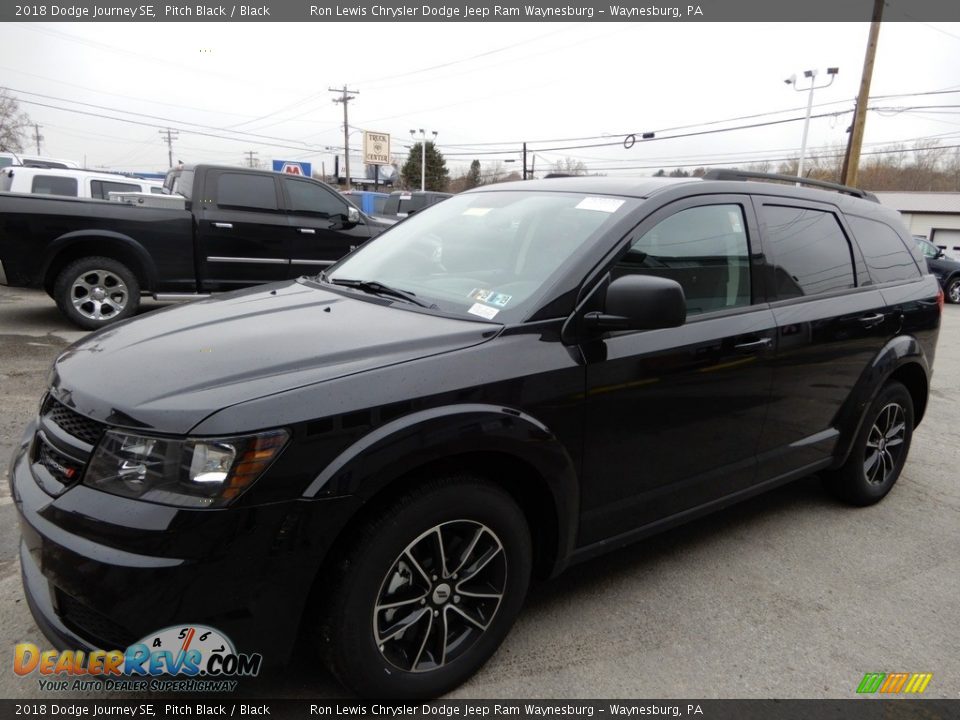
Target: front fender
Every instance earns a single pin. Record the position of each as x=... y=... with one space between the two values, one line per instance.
x=403 y=445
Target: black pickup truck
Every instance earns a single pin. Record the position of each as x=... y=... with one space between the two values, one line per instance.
x=238 y=227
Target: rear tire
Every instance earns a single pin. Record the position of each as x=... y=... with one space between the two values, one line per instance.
x=879 y=451
x=953 y=290
x=94 y=292
x=428 y=590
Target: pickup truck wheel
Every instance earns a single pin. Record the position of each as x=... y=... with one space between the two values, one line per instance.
x=428 y=590
x=879 y=451
x=953 y=290
x=96 y=291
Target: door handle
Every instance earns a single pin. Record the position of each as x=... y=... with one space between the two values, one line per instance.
x=873 y=319
x=307 y=231
x=753 y=345
x=225 y=226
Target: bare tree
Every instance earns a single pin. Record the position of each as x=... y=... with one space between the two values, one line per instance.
x=13 y=123
x=570 y=166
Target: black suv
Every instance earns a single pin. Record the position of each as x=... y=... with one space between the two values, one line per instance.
x=516 y=380
x=947 y=271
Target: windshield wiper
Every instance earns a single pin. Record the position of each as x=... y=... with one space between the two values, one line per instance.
x=378 y=288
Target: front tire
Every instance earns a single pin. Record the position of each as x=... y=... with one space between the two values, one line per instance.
x=96 y=291
x=428 y=590
x=879 y=451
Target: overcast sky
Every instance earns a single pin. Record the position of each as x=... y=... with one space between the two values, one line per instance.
x=484 y=87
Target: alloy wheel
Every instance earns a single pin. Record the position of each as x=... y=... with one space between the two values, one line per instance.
x=885 y=444
x=99 y=295
x=440 y=595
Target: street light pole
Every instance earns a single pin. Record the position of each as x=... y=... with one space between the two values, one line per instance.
x=423 y=155
x=792 y=80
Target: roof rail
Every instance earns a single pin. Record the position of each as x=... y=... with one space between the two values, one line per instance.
x=728 y=174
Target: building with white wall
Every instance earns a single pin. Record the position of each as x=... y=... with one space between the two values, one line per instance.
x=933 y=215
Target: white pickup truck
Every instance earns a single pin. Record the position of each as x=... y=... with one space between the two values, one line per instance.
x=70 y=182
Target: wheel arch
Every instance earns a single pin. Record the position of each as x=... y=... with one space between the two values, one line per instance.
x=100 y=243
x=902 y=360
x=505 y=446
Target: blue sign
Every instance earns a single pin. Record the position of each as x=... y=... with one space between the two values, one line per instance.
x=293 y=167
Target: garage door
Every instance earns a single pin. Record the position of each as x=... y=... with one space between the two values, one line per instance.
x=949 y=240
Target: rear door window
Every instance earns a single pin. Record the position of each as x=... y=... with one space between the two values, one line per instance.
x=808 y=251
x=240 y=190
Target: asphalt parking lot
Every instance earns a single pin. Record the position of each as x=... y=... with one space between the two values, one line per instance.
x=789 y=595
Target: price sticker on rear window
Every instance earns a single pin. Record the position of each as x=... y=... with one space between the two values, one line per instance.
x=603 y=204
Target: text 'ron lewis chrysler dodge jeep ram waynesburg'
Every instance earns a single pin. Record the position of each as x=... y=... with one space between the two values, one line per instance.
x=514 y=380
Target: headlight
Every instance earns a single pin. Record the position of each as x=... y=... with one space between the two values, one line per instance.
x=190 y=472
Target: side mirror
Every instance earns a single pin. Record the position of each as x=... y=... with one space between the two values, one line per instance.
x=353 y=216
x=640 y=302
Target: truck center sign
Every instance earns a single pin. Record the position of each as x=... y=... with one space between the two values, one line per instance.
x=376 y=148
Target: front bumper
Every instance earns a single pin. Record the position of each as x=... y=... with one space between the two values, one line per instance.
x=101 y=571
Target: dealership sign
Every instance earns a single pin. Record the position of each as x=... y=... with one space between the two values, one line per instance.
x=376 y=148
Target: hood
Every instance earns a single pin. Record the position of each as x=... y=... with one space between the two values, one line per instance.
x=169 y=369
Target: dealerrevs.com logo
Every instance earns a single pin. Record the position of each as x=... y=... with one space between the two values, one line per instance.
x=893 y=683
x=183 y=658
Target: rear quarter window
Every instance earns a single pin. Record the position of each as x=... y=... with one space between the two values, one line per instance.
x=52 y=185
x=887 y=256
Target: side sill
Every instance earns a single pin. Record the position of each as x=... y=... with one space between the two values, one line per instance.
x=631 y=536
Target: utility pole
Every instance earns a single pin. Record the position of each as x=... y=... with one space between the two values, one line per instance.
x=851 y=163
x=37 y=136
x=250 y=161
x=345 y=98
x=171 y=135
x=524 y=161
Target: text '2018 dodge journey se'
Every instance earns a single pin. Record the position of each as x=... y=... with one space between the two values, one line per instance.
x=515 y=380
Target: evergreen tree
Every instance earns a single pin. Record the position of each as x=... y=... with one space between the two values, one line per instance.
x=437 y=174
x=473 y=176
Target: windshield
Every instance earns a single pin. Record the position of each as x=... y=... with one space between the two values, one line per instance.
x=489 y=254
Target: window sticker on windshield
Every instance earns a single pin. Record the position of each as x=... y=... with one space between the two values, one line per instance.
x=483 y=311
x=480 y=294
x=490 y=297
x=476 y=211
x=603 y=204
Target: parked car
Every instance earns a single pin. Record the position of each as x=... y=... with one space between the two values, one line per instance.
x=513 y=381
x=402 y=203
x=946 y=270
x=240 y=227
x=72 y=183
